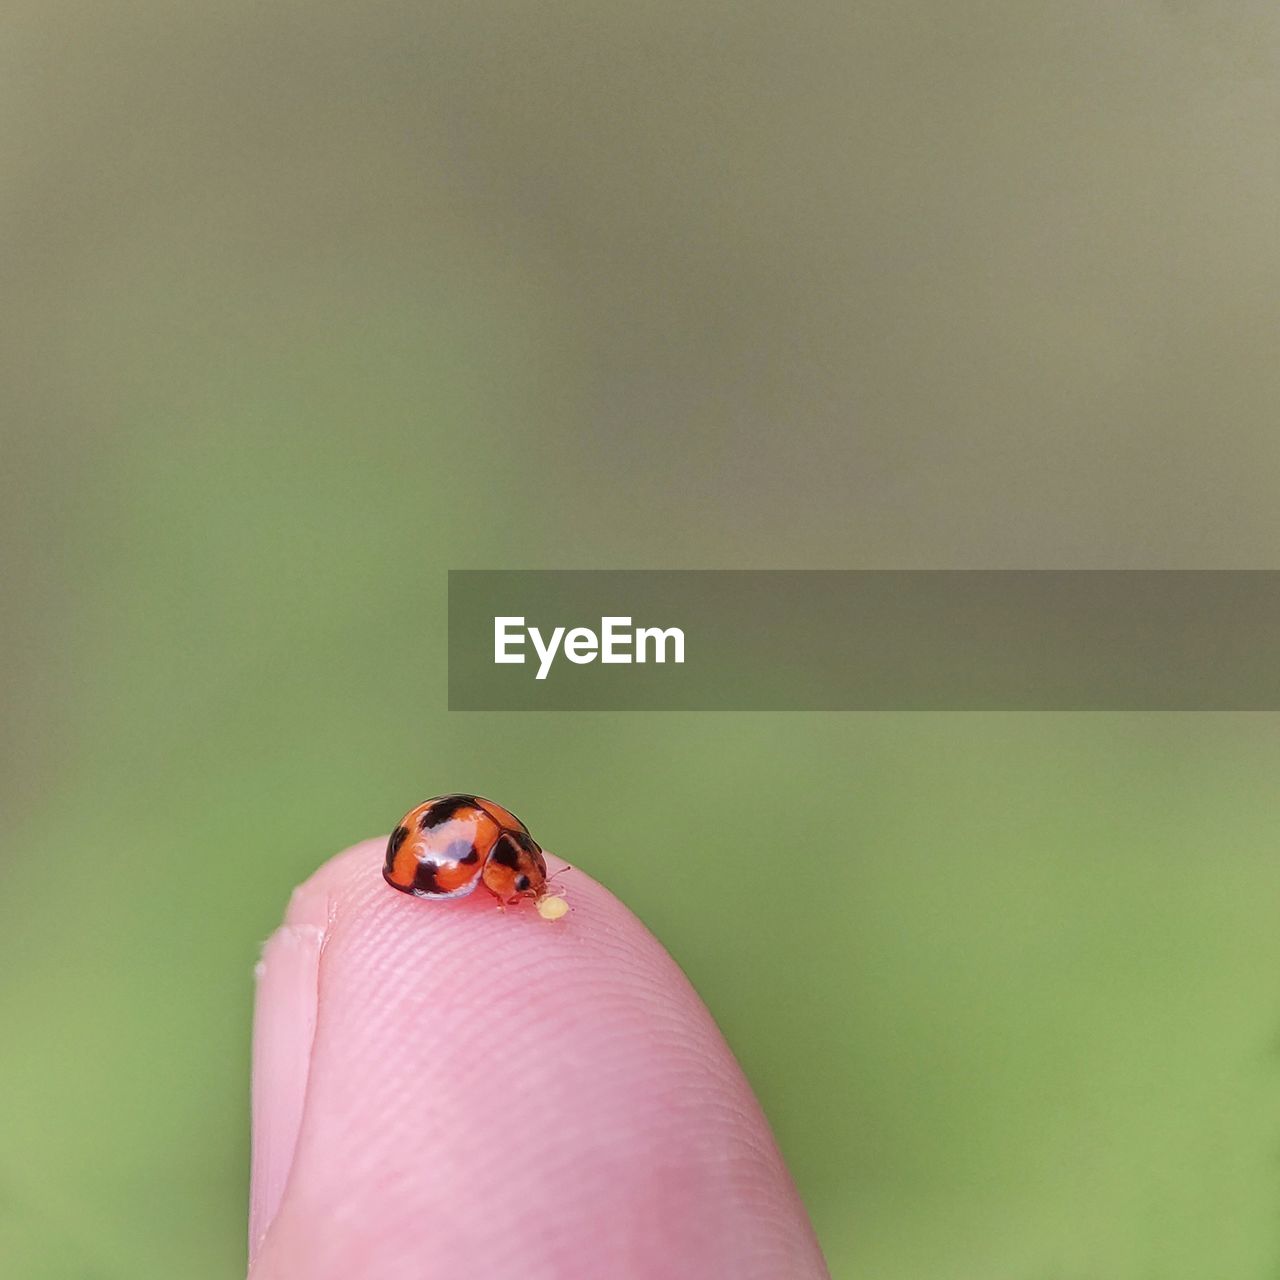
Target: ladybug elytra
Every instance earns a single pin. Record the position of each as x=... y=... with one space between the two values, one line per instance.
x=444 y=848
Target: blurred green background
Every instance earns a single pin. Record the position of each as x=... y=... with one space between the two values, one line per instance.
x=301 y=305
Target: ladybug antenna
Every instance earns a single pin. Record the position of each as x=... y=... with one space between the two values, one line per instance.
x=561 y=872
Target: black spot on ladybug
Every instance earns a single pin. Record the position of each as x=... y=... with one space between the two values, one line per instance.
x=471 y=856
x=424 y=878
x=506 y=853
x=443 y=810
x=393 y=845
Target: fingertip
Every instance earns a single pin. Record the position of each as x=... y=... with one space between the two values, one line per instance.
x=493 y=1093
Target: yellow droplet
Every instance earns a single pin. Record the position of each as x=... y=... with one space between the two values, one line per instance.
x=552 y=908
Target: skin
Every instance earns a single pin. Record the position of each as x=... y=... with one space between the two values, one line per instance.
x=445 y=1089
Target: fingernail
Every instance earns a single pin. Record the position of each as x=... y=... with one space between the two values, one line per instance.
x=284 y=1023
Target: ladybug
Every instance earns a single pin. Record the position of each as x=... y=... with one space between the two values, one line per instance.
x=444 y=847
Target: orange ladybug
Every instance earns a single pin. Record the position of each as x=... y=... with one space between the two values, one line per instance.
x=444 y=847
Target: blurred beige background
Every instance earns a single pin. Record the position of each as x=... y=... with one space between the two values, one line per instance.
x=301 y=305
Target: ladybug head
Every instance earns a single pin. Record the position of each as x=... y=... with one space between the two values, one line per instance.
x=516 y=868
